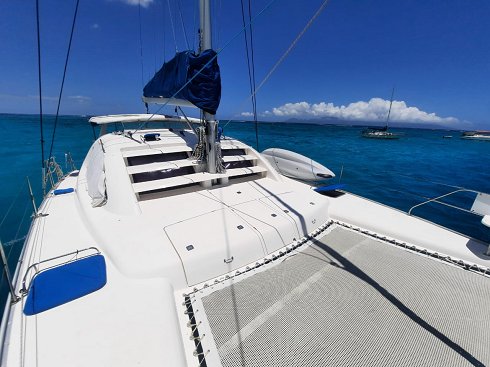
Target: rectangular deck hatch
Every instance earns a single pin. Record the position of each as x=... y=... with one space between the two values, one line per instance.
x=61 y=284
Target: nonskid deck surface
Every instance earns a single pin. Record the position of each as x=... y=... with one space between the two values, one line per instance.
x=349 y=300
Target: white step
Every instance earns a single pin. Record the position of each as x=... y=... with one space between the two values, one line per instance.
x=158 y=166
x=166 y=183
x=156 y=150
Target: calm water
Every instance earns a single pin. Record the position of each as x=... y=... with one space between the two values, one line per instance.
x=400 y=173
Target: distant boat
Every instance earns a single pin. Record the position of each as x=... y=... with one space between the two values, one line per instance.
x=476 y=135
x=381 y=132
x=447 y=136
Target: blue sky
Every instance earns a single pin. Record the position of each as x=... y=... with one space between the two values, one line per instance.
x=436 y=53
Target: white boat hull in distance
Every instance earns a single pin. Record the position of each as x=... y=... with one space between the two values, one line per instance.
x=296 y=166
x=477 y=137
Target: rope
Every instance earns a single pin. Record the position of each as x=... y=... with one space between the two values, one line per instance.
x=199 y=152
x=290 y=48
x=183 y=25
x=218 y=30
x=220 y=167
x=194 y=27
x=18 y=239
x=172 y=24
x=39 y=82
x=63 y=80
x=251 y=74
x=12 y=205
x=254 y=100
x=164 y=32
x=298 y=37
x=13 y=242
x=141 y=44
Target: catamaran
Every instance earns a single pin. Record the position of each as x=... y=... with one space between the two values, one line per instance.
x=182 y=247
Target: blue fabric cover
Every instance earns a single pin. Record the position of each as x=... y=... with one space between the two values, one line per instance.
x=204 y=91
x=61 y=284
x=63 y=191
x=151 y=136
x=330 y=187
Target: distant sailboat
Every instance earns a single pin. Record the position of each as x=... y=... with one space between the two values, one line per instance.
x=381 y=132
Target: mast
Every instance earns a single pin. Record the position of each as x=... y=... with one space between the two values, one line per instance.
x=211 y=123
x=389 y=111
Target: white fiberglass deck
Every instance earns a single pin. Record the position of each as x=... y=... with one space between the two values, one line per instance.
x=348 y=300
x=166 y=228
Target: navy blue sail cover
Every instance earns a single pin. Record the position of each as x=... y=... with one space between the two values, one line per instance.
x=65 y=283
x=204 y=88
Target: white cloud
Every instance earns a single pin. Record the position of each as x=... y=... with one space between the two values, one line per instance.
x=80 y=99
x=95 y=26
x=246 y=114
x=143 y=3
x=45 y=98
x=376 y=109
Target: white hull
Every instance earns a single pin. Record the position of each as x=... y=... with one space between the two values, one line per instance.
x=476 y=137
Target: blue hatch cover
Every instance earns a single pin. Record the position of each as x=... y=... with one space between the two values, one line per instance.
x=61 y=284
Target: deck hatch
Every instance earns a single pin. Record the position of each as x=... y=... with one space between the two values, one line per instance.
x=61 y=284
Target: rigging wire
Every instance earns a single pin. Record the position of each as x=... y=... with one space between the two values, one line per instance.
x=39 y=83
x=286 y=53
x=249 y=67
x=182 y=23
x=293 y=44
x=141 y=44
x=12 y=204
x=172 y=25
x=218 y=30
x=205 y=66
x=194 y=30
x=254 y=100
x=164 y=25
x=63 y=79
x=155 y=42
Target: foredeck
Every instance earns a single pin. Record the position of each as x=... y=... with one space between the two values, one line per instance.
x=347 y=300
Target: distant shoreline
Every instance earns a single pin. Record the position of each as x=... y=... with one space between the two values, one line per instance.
x=354 y=124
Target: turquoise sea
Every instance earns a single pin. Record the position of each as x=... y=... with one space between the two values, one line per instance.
x=400 y=173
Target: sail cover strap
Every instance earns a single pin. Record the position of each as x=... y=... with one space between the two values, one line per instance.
x=183 y=78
